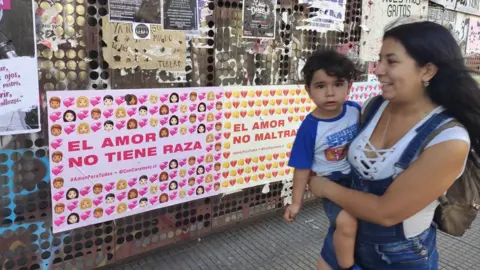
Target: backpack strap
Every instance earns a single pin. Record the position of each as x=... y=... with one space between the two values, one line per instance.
x=370 y=110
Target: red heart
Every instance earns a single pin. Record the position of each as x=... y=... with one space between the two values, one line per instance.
x=243 y=113
x=232 y=182
x=225 y=174
x=287 y=171
x=290 y=118
x=302 y=117
x=233 y=163
x=271 y=111
x=236 y=104
x=258 y=112
x=296 y=109
x=291 y=101
x=262 y=158
x=308 y=108
x=244 y=93
x=303 y=100
x=240 y=171
x=261 y=176
x=279 y=101
x=251 y=103
x=272 y=92
x=227 y=114
x=258 y=93
x=275 y=156
x=247 y=179
x=248 y=160
x=282 y=163
x=298 y=91
x=274 y=173
x=285 y=92
x=268 y=166
x=265 y=102
x=254 y=168
x=228 y=94
x=288 y=154
x=226 y=154
x=284 y=110
x=227 y=135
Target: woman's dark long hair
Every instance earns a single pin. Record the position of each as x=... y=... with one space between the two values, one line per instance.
x=453 y=86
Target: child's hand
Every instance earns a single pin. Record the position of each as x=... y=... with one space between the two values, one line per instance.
x=291 y=212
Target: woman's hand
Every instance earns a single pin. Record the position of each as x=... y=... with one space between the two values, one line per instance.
x=317 y=186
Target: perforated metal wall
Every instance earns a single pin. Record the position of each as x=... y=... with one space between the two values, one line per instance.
x=220 y=57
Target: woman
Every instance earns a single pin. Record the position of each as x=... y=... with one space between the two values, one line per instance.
x=423 y=73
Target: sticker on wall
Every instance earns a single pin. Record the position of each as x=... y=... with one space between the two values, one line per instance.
x=259 y=19
x=141 y=31
x=473 y=41
x=19 y=92
x=180 y=15
x=260 y=124
x=144 y=11
x=329 y=15
x=120 y=153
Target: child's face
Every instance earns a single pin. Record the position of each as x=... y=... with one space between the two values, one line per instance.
x=217 y=167
x=110 y=200
x=192 y=118
x=142 y=112
x=108 y=102
x=183 y=130
x=328 y=92
x=218 y=127
x=143 y=204
x=183 y=108
x=210 y=96
x=121 y=209
x=57 y=158
x=163 y=199
x=98 y=214
x=163 y=133
x=201 y=129
x=82 y=103
x=143 y=181
x=96 y=115
x=182 y=194
x=191 y=181
x=183 y=173
x=173 y=186
x=69 y=117
x=56 y=131
x=108 y=127
x=200 y=191
x=153 y=189
x=72 y=219
x=164 y=111
x=59 y=209
x=153 y=99
x=120 y=113
x=173 y=165
x=210 y=117
x=218 y=147
x=54 y=104
x=209 y=159
x=85 y=205
x=201 y=108
x=58 y=184
x=193 y=97
x=200 y=170
x=218 y=106
x=209 y=138
x=132 y=125
x=174 y=98
x=191 y=161
x=97 y=190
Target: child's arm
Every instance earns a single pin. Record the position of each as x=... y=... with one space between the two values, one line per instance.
x=300 y=180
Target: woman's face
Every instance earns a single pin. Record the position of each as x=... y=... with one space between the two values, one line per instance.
x=72 y=194
x=72 y=219
x=174 y=98
x=201 y=108
x=201 y=129
x=69 y=117
x=173 y=121
x=173 y=186
x=83 y=129
x=132 y=125
x=402 y=79
x=173 y=165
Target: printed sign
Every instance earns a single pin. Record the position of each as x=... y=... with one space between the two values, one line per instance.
x=259 y=19
x=473 y=41
x=180 y=14
x=329 y=17
x=141 y=31
x=260 y=127
x=379 y=15
x=120 y=153
x=19 y=93
x=145 y=11
x=165 y=50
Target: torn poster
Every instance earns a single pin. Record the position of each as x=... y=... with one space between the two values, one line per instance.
x=145 y=11
x=259 y=19
x=329 y=16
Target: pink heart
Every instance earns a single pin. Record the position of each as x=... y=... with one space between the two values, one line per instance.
x=82 y=115
x=95 y=100
x=72 y=206
x=191 y=192
x=143 y=191
x=120 y=124
x=153 y=110
x=183 y=119
x=84 y=191
x=132 y=205
x=153 y=178
x=69 y=129
x=209 y=148
x=96 y=127
x=68 y=101
x=57 y=170
x=163 y=166
x=183 y=97
x=218 y=116
x=59 y=221
x=55 y=116
x=86 y=215
x=131 y=111
x=110 y=186
x=153 y=200
x=173 y=131
x=202 y=96
x=122 y=196
x=142 y=99
x=217 y=156
x=119 y=100
x=132 y=182
x=143 y=122
x=173 y=195
x=193 y=107
x=56 y=143
x=108 y=113
x=110 y=210
x=59 y=195
x=163 y=99
x=163 y=187
x=219 y=95
x=98 y=201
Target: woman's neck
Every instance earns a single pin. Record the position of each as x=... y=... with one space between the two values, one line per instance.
x=422 y=105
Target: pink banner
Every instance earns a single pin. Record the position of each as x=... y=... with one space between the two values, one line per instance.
x=120 y=153
x=5 y=4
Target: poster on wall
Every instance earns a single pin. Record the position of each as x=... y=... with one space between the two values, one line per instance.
x=473 y=41
x=180 y=15
x=144 y=11
x=457 y=23
x=19 y=92
x=260 y=125
x=379 y=15
x=120 y=153
x=329 y=17
x=164 y=50
x=259 y=19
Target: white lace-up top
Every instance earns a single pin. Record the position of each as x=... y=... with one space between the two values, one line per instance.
x=383 y=164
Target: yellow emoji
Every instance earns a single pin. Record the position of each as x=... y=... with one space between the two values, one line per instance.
x=233 y=173
x=278 y=111
x=289 y=145
x=269 y=157
x=255 y=160
x=297 y=101
x=236 y=94
x=240 y=180
x=285 y=102
x=251 y=93
x=266 y=93
x=248 y=170
x=225 y=184
x=243 y=103
x=227 y=125
x=304 y=92
x=262 y=167
x=236 y=114
x=268 y=175
x=302 y=109
x=228 y=105
x=254 y=177
x=265 y=112
x=282 y=155
x=241 y=162
x=290 y=110
x=258 y=103
x=226 y=165
x=226 y=145
x=275 y=165
x=292 y=92
x=281 y=173
x=251 y=113
x=279 y=92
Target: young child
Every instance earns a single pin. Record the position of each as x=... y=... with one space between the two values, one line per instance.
x=322 y=141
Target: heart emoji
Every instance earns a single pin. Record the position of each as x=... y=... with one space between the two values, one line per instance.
x=184 y=97
x=59 y=195
x=132 y=205
x=153 y=200
x=121 y=196
x=163 y=187
x=59 y=221
x=57 y=170
x=56 y=143
x=232 y=182
x=69 y=101
x=131 y=111
x=96 y=126
x=110 y=186
x=84 y=191
x=142 y=99
x=143 y=122
x=218 y=116
x=173 y=196
x=108 y=113
x=191 y=191
x=55 y=116
x=72 y=206
x=82 y=115
x=226 y=154
x=120 y=124
x=85 y=215
x=119 y=100
x=98 y=201
x=69 y=129
x=110 y=210
x=132 y=182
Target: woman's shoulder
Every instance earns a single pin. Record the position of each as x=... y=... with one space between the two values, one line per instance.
x=452 y=129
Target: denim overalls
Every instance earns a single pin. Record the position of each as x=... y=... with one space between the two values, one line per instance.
x=379 y=247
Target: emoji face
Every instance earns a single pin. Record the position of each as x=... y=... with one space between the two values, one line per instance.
x=143 y=202
x=183 y=173
x=218 y=147
x=163 y=198
x=96 y=114
x=183 y=108
x=173 y=120
x=210 y=138
x=57 y=157
x=73 y=218
x=209 y=178
x=173 y=164
x=83 y=102
x=143 y=111
x=153 y=122
x=191 y=181
x=218 y=106
x=120 y=112
x=59 y=208
x=163 y=177
x=202 y=107
x=191 y=160
x=98 y=213
x=153 y=99
x=173 y=185
x=173 y=98
x=122 y=184
x=164 y=110
x=108 y=125
x=86 y=203
x=153 y=189
x=193 y=97
x=110 y=198
x=200 y=190
x=58 y=183
x=209 y=158
x=108 y=101
x=200 y=170
x=97 y=189
x=131 y=99
x=163 y=133
x=211 y=96
x=122 y=208
x=217 y=167
x=218 y=126
x=72 y=194
x=216 y=186
x=69 y=116
x=192 y=118
x=143 y=180
x=210 y=117
x=132 y=124
x=132 y=194
x=55 y=103
x=183 y=130
x=182 y=194
x=201 y=129
x=83 y=128
x=56 y=130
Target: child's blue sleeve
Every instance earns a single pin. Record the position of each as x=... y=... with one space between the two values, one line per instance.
x=301 y=156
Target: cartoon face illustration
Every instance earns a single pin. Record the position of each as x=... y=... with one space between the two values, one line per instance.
x=98 y=213
x=218 y=105
x=200 y=190
x=173 y=164
x=108 y=125
x=163 y=198
x=83 y=128
x=183 y=172
x=54 y=102
x=56 y=130
x=211 y=96
x=191 y=181
x=57 y=157
x=193 y=96
x=69 y=116
x=153 y=189
x=173 y=185
x=86 y=203
x=108 y=100
x=143 y=180
x=218 y=147
x=163 y=133
x=153 y=122
x=201 y=129
x=200 y=170
x=83 y=102
x=182 y=193
x=96 y=114
x=131 y=99
x=132 y=194
x=120 y=112
x=59 y=208
x=173 y=120
x=121 y=208
x=163 y=177
x=210 y=117
x=174 y=98
x=183 y=108
x=336 y=154
x=97 y=189
x=121 y=184
x=191 y=160
x=217 y=167
x=209 y=158
x=72 y=194
x=216 y=186
x=183 y=130
x=210 y=138
x=153 y=99
x=132 y=124
x=73 y=218
x=110 y=198
x=218 y=126
x=143 y=202
x=209 y=178
x=192 y=118
x=58 y=183
x=202 y=107
x=143 y=110
x=164 y=110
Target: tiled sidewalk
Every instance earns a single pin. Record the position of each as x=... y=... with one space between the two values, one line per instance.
x=272 y=244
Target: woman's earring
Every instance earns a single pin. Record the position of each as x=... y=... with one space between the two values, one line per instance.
x=426 y=84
